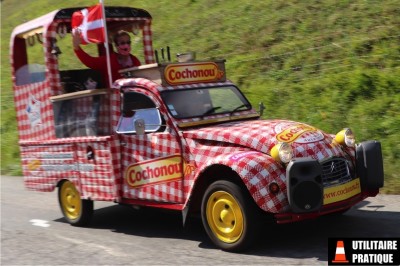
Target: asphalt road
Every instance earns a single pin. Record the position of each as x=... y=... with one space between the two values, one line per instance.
x=33 y=232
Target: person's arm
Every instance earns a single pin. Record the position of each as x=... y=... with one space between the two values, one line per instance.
x=87 y=60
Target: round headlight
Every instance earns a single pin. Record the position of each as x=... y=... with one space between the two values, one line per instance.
x=346 y=137
x=282 y=152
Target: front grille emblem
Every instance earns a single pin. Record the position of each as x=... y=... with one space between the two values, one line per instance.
x=332 y=167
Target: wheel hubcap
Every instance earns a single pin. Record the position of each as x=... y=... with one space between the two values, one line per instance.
x=70 y=200
x=224 y=216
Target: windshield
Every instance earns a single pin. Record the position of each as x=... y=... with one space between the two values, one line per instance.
x=205 y=101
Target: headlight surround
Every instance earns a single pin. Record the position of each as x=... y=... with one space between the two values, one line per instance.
x=282 y=152
x=346 y=137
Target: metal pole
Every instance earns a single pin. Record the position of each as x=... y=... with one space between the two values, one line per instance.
x=106 y=44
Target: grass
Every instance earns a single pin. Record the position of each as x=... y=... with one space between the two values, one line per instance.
x=332 y=64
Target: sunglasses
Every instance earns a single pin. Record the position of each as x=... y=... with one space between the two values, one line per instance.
x=123 y=43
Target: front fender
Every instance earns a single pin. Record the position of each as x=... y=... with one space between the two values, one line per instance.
x=257 y=171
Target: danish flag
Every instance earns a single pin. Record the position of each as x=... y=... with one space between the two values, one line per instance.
x=90 y=23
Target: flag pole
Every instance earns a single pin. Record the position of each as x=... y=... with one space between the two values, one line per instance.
x=106 y=43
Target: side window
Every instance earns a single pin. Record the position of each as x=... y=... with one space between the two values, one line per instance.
x=81 y=115
x=139 y=114
x=29 y=58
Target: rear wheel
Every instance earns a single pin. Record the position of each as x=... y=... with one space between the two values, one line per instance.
x=75 y=210
x=229 y=216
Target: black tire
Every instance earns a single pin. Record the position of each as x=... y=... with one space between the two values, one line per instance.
x=230 y=217
x=76 y=211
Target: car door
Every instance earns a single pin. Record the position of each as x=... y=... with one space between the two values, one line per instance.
x=150 y=153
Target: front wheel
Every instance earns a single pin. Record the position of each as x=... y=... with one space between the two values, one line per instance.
x=75 y=210
x=229 y=216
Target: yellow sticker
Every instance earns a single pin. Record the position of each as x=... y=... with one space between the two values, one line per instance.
x=293 y=132
x=176 y=74
x=154 y=171
x=342 y=192
x=33 y=165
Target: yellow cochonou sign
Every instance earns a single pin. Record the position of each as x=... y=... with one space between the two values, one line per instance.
x=342 y=192
x=154 y=171
x=293 y=132
x=176 y=74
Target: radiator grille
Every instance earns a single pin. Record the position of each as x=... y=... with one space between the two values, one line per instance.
x=335 y=171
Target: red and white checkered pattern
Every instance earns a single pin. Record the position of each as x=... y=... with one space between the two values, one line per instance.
x=139 y=149
x=147 y=42
x=243 y=146
x=38 y=162
x=45 y=165
x=51 y=86
x=256 y=169
x=97 y=179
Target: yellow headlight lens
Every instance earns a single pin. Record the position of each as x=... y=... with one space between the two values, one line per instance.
x=282 y=152
x=346 y=137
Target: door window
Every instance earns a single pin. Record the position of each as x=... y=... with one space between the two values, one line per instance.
x=139 y=113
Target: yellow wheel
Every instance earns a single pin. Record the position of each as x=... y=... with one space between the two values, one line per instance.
x=230 y=216
x=224 y=216
x=75 y=210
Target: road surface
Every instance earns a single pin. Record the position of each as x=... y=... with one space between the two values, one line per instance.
x=33 y=232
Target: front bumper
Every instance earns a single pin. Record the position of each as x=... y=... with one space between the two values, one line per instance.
x=305 y=189
x=291 y=217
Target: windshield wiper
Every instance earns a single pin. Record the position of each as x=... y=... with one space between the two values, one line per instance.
x=210 y=111
x=237 y=108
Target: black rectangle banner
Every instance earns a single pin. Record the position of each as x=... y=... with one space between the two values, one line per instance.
x=364 y=251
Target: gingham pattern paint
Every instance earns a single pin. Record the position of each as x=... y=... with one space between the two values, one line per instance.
x=244 y=146
x=147 y=42
x=41 y=92
x=52 y=86
x=139 y=149
x=115 y=152
x=260 y=135
x=37 y=94
x=44 y=166
x=98 y=181
x=257 y=170
x=171 y=192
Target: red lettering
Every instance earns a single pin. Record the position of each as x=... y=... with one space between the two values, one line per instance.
x=131 y=177
x=285 y=138
x=187 y=73
x=171 y=169
x=171 y=74
x=152 y=173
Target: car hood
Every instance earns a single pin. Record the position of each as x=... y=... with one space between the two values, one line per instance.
x=262 y=135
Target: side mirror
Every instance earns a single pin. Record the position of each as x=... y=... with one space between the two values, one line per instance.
x=140 y=122
x=139 y=127
x=261 y=108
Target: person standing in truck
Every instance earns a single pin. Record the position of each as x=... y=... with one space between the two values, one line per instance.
x=119 y=60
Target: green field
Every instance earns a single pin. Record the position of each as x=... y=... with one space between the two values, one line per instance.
x=332 y=64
